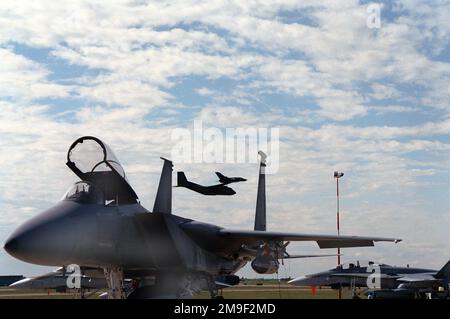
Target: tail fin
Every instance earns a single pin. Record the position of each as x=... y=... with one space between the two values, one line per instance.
x=223 y=179
x=181 y=179
x=260 y=214
x=163 y=200
x=220 y=175
x=444 y=272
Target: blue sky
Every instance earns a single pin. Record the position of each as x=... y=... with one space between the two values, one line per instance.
x=370 y=102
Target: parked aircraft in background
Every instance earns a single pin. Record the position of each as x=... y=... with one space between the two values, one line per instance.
x=391 y=281
x=89 y=279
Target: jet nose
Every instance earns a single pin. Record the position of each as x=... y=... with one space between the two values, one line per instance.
x=50 y=236
x=21 y=283
x=30 y=242
x=11 y=245
x=297 y=280
x=17 y=244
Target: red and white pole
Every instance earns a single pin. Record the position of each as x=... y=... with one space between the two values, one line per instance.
x=337 y=219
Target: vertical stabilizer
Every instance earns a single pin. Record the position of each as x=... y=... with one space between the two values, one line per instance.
x=444 y=272
x=260 y=214
x=181 y=179
x=163 y=200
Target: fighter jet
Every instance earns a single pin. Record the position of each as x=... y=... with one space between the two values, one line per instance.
x=57 y=279
x=89 y=279
x=392 y=281
x=228 y=180
x=100 y=223
x=219 y=189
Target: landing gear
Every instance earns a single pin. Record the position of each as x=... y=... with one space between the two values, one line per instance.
x=214 y=291
x=353 y=287
x=114 y=278
x=167 y=285
x=84 y=293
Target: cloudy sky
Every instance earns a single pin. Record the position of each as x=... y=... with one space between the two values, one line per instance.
x=372 y=102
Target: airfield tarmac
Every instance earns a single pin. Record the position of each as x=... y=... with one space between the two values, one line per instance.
x=250 y=289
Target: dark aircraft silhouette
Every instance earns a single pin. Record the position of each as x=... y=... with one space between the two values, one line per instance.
x=219 y=189
x=100 y=223
x=228 y=180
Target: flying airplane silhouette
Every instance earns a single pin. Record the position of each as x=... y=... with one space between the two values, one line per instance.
x=219 y=189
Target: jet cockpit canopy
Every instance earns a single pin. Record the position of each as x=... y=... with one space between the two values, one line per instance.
x=357 y=264
x=93 y=161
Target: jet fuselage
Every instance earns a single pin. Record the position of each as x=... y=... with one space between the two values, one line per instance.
x=96 y=235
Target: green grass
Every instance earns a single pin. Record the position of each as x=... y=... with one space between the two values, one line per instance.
x=248 y=289
x=264 y=294
x=273 y=291
x=9 y=293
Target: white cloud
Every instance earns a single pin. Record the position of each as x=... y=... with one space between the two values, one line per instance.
x=227 y=117
x=381 y=91
x=128 y=93
x=380 y=110
x=21 y=78
x=204 y=91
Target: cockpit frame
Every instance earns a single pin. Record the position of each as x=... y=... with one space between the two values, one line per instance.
x=111 y=182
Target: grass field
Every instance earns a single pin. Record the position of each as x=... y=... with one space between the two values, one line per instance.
x=248 y=289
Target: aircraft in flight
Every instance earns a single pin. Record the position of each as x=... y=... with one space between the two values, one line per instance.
x=382 y=280
x=219 y=189
x=100 y=223
x=228 y=180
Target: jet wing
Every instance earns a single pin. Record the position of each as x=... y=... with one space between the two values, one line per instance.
x=324 y=241
x=423 y=277
x=221 y=285
x=308 y=256
x=362 y=275
x=418 y=281
x=418 y=278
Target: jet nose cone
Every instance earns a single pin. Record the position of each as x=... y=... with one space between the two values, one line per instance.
x=29 y=242
x=19 y=284
x=11 y=245
x=297 y=280
x=48 y=237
